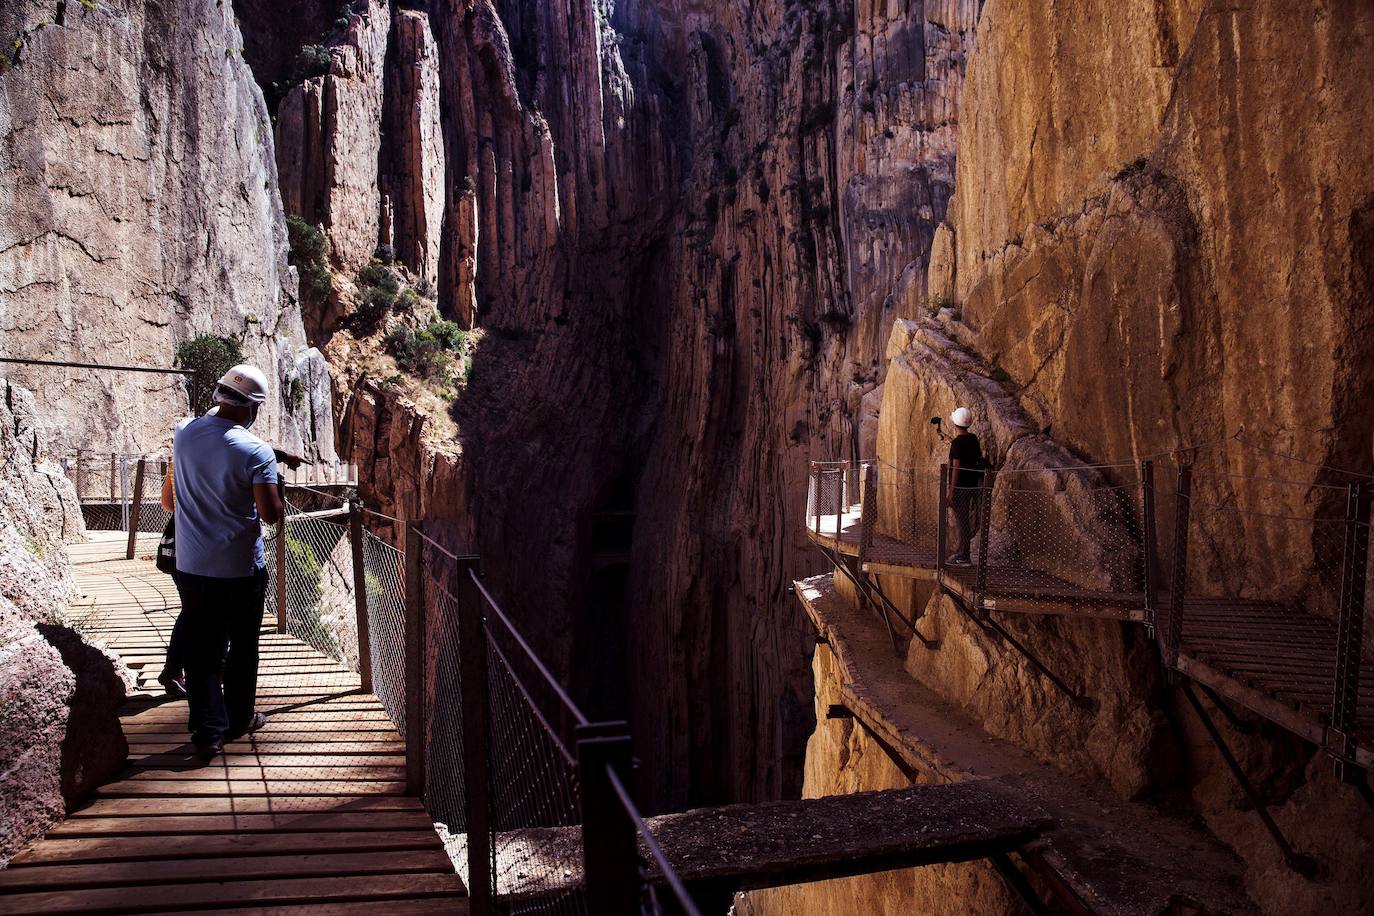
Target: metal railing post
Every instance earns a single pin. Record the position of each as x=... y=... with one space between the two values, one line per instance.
x=1178 y=569
x=283 y=596
x=942 y=534
x=984 y=531
x=124 y=490
x=355 y=538
x=136 y=511
x=816 y=477
x=1345 y=696
x=414 y=661
x=114 y=459
x=1147 y=511
x=610 y=851
x=475 y=695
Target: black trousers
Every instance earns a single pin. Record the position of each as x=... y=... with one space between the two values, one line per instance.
x=967 y=501
x=220 y=622
x=175 y=666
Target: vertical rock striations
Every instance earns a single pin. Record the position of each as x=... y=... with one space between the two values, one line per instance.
x=140 y=209
x=685 y=229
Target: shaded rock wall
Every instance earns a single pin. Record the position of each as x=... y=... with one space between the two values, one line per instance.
x=686 y=229
x=59 y=732
x=141 y=208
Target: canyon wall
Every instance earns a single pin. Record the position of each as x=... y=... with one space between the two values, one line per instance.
x=140 y=208
x=685 y=229
x=1148 y=251
x=59 y=730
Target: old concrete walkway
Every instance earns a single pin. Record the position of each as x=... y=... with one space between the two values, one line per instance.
x=309 y=813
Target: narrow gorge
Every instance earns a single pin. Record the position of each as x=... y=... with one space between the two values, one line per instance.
x=590 y=284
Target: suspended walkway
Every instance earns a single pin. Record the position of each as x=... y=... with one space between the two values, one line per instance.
x=1261 y=606
x=419 y=756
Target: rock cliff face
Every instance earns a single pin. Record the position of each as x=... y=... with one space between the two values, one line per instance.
x=140 y=208
x=59 y=734
x=687 y=229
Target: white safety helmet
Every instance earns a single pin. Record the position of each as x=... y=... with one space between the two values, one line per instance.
x=243 y=386
x=961 y=417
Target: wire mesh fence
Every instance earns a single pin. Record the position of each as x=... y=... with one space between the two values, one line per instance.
x=359 y=631
x=1069 y=541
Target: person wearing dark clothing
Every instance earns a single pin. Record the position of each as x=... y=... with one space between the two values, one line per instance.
x=225 y=488
x=965 y=480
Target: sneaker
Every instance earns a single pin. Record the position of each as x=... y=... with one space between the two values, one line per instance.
x=258 y=721
x=208 y=752
x=175 y=687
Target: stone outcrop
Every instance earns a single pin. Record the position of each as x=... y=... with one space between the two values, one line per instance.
x=1143 y=248
x=59 y=733
x=328 y=139
x=140 y=208
x=1063 y=527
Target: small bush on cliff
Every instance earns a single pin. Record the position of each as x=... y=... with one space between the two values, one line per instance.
x=311 y=61
x=207 y=357
x=307 y=254
x=429 y=351
x=379 y=288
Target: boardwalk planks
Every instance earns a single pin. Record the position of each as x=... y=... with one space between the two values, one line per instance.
x=310 y=812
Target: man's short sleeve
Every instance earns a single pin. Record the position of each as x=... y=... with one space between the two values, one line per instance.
x=263 y=466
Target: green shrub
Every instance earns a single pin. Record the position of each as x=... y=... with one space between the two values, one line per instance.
x=429 y=351
x=407 y=300
x=311 y=61
x=207 y=357
x=308 y=255
x=379 y=291
x=385 y=253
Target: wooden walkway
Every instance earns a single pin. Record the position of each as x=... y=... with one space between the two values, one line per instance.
x=1277 y=661
x=308 y=815
x=1009 y=589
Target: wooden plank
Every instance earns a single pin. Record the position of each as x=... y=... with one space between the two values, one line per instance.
x=448 y=905
x=167 y=825
x=322 y=743
x=127 y=788
x=141 y=898
x=171 y=871
x=260 y=771
x=341 y=803
x=150 y=847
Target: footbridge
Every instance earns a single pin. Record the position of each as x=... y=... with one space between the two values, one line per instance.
x=420 y=756
x=1250 y=603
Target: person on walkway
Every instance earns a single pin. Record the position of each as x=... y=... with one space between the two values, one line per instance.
x=173 y=676
x=225 y=488
x=965 y=480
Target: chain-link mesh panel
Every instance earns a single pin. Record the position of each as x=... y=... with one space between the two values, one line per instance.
x=1260 y=595
x=386 y=614
x=907 y=525
x=321 y=609
x=1064 y=541
x=534 y=783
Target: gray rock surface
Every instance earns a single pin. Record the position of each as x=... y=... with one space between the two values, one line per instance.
x=139 y=208
x=59 y=734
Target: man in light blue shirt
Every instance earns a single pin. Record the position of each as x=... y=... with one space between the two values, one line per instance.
x=225 y=481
